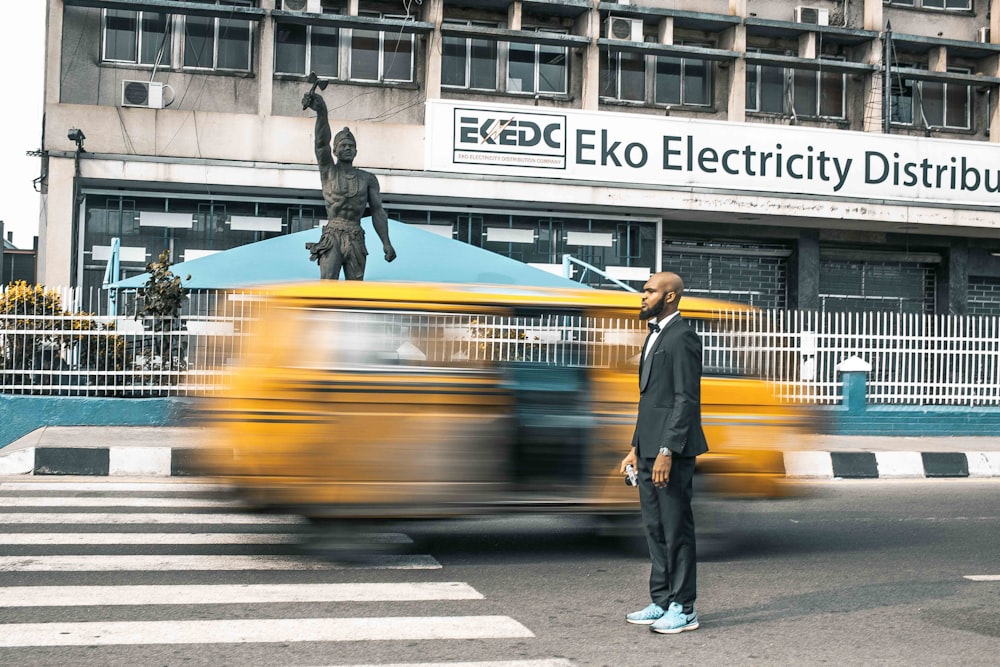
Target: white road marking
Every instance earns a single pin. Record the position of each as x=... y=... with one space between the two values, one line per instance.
x=55 y=485
x=122 y=563
x=554 y=662
x=260 y=631
x=115 y=501
x=983 y=577
x=154 y=518
x=80 y=596
x=150 y=538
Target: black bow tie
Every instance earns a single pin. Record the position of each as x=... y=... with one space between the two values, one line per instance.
x=653 y=327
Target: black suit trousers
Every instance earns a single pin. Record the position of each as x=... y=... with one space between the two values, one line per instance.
x=669 y=523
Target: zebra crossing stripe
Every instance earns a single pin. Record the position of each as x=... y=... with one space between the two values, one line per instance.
x=60 y=485
x=142 y=517
x=123 y=563
x=83 y=596
x=983 y=577
x=554 y=662
x=116 y=501
x=405 y=628
x=50 y=539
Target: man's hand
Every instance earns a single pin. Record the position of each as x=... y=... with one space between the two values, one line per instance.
x=630 y=459
x=390 y=252
x=661 y=470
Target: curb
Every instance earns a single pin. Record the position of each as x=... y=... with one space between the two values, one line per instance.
x=160 y=461
x=891 y=465
x=128 y=461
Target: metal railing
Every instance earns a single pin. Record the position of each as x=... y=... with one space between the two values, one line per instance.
x=59 y=343
x=915 y=359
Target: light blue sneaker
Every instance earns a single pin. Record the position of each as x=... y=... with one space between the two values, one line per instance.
x=645 y=616
x=675 y=621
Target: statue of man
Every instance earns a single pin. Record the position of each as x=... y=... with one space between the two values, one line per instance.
x=347 y=191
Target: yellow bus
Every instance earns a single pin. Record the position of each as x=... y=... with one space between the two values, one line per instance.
x=405 y=400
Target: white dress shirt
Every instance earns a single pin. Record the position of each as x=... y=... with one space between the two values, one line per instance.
x=654 y=334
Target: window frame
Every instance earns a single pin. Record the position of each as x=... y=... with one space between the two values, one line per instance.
x=790 y=83
x=400 y=36
x=216 y=23
x=309 y=65
x=917 y=85
x=537 y=65
x=468 y=59
x=139 y=34
x=921 y=4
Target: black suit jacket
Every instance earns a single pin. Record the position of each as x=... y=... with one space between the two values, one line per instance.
x=670 y=394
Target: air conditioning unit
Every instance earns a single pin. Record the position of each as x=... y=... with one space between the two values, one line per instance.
x=625 y=29
x=308 y=6
x=813 y=15
x=146 y=94
x=983 y=35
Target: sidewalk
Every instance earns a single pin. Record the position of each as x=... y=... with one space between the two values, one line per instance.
x=168 y=451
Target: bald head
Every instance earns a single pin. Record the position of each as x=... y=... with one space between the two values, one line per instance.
x=661 y=295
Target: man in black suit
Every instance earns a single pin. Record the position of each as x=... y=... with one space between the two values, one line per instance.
x=668 y=437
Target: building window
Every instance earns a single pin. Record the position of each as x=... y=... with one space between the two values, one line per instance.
x=537 y=68
x=623 y=76
x=683 y=81
x=930 y=104
x=794 y=92
x=381 y=55
x=217 y=43
x=469 y=62
x=141 y=38
x=941 y=5
x=300 y=49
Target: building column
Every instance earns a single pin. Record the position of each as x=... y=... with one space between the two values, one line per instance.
x=735 y=39
x=805 y=285
x=872 y=113
x=265 y=63
x=55 y=257
x=953 y=280
x=589 y=23
x=433 y=13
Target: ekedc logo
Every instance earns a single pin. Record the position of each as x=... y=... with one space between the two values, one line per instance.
x=514 y=139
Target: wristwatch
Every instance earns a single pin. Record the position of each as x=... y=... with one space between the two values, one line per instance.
x=665 y=451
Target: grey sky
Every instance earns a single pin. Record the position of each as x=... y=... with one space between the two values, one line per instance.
x=22 y=52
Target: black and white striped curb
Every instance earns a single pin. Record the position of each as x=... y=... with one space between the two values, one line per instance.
x=101 y=461
x=181 y=461
x=891 y=465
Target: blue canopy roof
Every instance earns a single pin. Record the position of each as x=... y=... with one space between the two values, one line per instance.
x=422 y=256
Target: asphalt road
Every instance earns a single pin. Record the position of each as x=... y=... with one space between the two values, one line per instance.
x=856 y=573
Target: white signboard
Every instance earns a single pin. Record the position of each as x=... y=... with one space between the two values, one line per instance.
x=684 y=153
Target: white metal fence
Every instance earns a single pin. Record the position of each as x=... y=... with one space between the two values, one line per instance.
x=64 y=342
x=63 y=349
x=915 y=359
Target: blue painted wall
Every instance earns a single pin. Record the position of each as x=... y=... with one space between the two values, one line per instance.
x=856 y=417
x=20 y=415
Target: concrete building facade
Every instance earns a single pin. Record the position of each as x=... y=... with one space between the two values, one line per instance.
x=837 y=155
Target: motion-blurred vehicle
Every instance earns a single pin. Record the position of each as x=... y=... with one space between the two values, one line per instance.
x=401 y=400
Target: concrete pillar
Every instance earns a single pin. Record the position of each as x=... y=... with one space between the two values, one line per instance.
x=514 y=15
x=807 y=45
x=805 y=285
x=55 y=255
x=589 y=24
x=735 y=39
x=853 y=375
x=433 y=13
x=873 y=16
x=953 y=280
x=265 y=63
